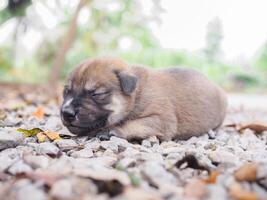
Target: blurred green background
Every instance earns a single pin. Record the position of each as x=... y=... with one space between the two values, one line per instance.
x=80 y=29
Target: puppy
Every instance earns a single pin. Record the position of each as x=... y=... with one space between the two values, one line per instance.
x=133 y=102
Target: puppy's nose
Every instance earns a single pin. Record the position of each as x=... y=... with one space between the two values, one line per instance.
x=68 y=113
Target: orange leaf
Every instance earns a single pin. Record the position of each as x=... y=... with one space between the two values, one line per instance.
x=247 y=172
x=39 y=113
x=258 y=127
x=238 y=193
x=52 y=135
x=212 y=178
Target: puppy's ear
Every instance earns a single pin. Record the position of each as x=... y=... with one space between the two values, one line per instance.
x=128 y=82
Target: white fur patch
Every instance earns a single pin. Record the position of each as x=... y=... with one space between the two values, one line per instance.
x=117 y=106
x=68 y=102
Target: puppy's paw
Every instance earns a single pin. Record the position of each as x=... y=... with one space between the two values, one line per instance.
x=106 y=135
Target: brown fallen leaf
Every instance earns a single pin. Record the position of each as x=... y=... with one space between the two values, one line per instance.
x=41 y=137
x=212 y=178
x=52 y=135
x=247 y=172
x=257 y=127
x=238 y=193
x=39 y=113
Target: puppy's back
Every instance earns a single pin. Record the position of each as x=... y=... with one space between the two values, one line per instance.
x=200 y=104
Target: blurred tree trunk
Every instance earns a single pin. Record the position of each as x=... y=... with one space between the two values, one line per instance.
x=65 y=46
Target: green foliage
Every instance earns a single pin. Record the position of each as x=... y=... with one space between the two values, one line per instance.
x=103 y=34
x=14 y=8
x=261 y=62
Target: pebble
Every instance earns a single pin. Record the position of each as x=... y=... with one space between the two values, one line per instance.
x=9 y=139
x=84 y=153
x=66 y=144
x=109 y=145
x=92 y=169
x=37 y=161
x=53 y=123
x=30 y=192
x=157 y=174
x=7 y=158
x=19 y=167
x=93 y=144
x=47 y=148
x=222 y=156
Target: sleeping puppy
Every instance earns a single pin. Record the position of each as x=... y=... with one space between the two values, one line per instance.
x=109 y=96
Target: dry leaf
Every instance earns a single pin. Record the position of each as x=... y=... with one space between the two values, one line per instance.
x=39 y=113
x=41 y=137
x=257 y=127
x=247 y=172
x=238 y=193
x=30 y=132
x=212 y=178
x=52 y=135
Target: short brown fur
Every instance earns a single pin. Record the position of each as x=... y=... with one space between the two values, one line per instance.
x=168 y=103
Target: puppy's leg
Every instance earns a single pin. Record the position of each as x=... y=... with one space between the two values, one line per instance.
x=141 y=128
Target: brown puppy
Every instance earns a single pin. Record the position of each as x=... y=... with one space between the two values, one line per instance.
x=106 y=94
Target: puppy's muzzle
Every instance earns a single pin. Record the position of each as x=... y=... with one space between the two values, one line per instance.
x=68 y=113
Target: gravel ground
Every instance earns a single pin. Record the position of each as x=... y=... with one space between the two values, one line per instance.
x=225 y=164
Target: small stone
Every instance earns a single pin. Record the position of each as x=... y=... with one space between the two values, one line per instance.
x=30 y=192
x=260 y=191
x=262 y=171
x=153 y=140
x=157 y=174
x=66 y=144
x=217 y=192
x=212 y=134
x=62 y=165
x=93 y=144
x=170 y=150
x=19 y=167
x=62 y=189
x=152 y=157
x=7 y=158
x=109 y=145
x=222 y=156
x=72 y=188
x=146 y=143
x=120 y=142
x=47 y=148
x=195 y=189
x=9 y=139
x=104 y=161
x=36 y=161
x=127 y=162
x=53 y=123
x=84 y=153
